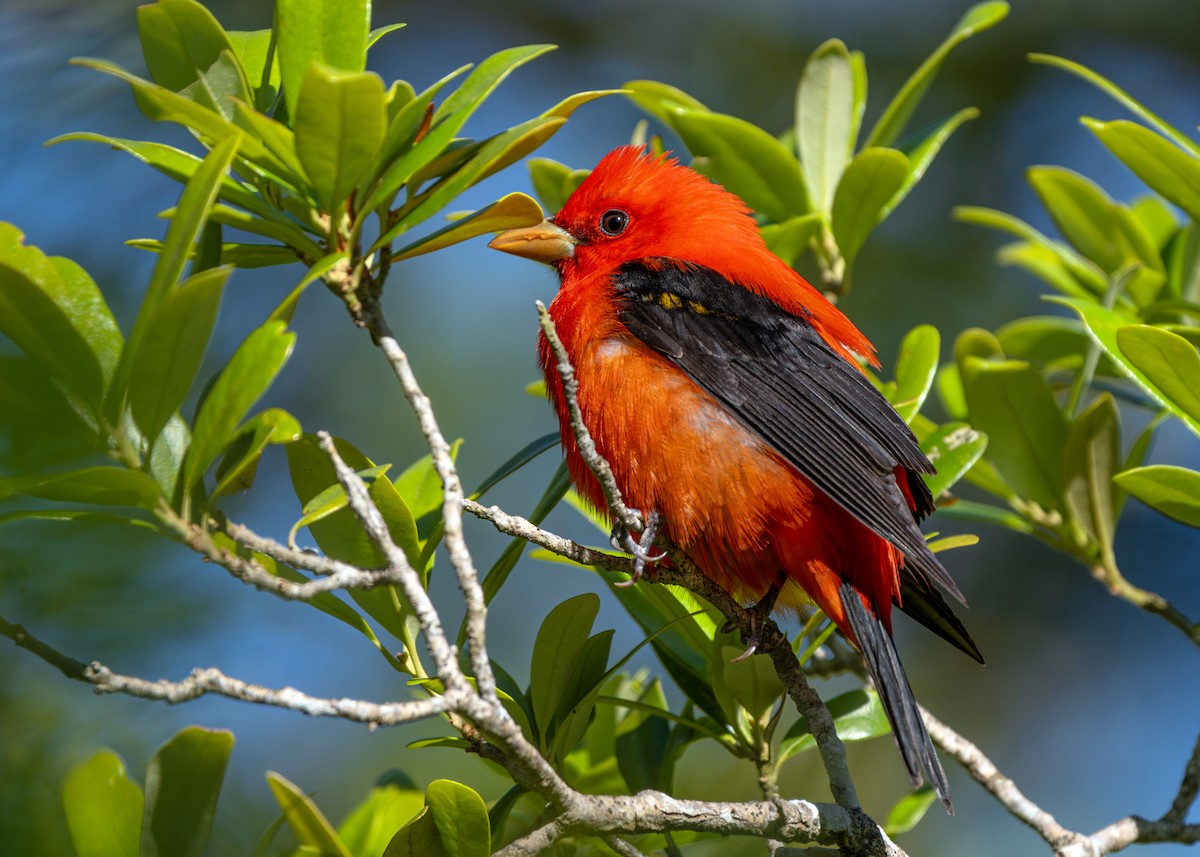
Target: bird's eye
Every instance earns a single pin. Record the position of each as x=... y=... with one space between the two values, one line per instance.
x=613 y=223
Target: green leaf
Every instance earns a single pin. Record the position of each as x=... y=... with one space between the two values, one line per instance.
x=461 y=819
x=172 y=348
x=287 y=307
x=255 y=50
x=187 y=51
x=1089 y=276
x=44 y=314
x=1154 y=349
x=108 y=486
x=370 y=825
x=418 y=838
x=309 y=826
x=745 y=159
x=953 y=448
x=449 y=117
x=340 y=535
x=1089 y=462
x=332 y=32
x=1119 y=95
x=177 y=165
x=1099 y=228
x=660 y=100
x=752 y=683
x=340 y=124
x=556 y=652
x=167 y=454
x=1050 y=340
x=858 y=715
x=240 y=463
x=553 y=182
x=183 y=781
x=1011 y=402
x=241 y=383
x=866 y=187
x=922 y=147
x=909 y=810
x=1169 y=362
x=825 y=107
x=642 y=742
x=1164 y=167
x=578 y=701
x=508 y=212
x=916 y=367
x=104 y=809
x=1173 y=491
x=896 y=115
x=788 y=240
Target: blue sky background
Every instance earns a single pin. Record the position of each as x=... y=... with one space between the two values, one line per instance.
x=1089 y=705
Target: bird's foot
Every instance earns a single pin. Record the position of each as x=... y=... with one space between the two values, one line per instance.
x=641 y=548
x=759 y=613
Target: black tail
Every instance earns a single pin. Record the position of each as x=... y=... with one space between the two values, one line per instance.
x=883 y=663
x=922 y=602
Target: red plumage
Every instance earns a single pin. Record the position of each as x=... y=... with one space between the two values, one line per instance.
x=723 y=391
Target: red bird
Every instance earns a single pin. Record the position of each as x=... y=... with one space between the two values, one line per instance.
x=723 y=390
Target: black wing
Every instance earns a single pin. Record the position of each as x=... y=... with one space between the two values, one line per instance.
x=779 y=377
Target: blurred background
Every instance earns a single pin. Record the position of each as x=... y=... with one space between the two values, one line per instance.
x=1090 y=706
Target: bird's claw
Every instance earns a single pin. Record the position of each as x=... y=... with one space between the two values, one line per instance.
x=758 y=617
x=641 y=549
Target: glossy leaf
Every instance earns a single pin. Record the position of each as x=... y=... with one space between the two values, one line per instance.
x=170 y=352
x=1173 y=491
x=824 y=119
x=254 y=50
x=104 y=809
x=183 y=781
x=187 y=51
x=447 y=119
x=866 y=188
x=331 y=32
x=240 y=462
x=660 y=100
x=579 y=695
x=167 y=454
x=162 y=105
x=791 y=238
x=556 y=651
x=1089 y=462
x=241 y=383
x=1168 y=170
x=916 y=367
x=1011 y=402
x=45 y=316
x=177 y=165
x=1120 y=96
x=340 y=535
x=896 y=115
x=1050 y=340
x=1169 y=362
x=308 y=824
x=1086 y=272
x=1152 y=350
x=922 y=147
x=909 y=810
x=418 y=838
x=642 y=741
x=103 y=485
x=340 y=124
x=508 y=212
x=461 y=819
x=369 y=827
x=857 y=715
x=752 y=683
x=953 y=448
x=745 y=159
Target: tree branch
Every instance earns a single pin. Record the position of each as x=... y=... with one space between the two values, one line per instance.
x=453 y=495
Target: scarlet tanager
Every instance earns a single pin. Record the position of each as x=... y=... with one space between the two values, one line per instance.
x=723 y=390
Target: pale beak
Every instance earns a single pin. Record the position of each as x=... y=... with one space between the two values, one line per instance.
x=544 y=242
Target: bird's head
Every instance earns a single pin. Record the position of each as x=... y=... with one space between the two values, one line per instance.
x=637 y=206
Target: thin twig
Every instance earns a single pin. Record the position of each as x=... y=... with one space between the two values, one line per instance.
x=452 y=491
